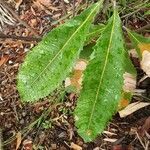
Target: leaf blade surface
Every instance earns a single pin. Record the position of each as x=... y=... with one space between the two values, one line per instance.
x=51 y=60
x=141 y=43
x=102 y=83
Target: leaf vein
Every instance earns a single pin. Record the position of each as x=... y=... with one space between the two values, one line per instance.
x=102 y=74
x=63 y=47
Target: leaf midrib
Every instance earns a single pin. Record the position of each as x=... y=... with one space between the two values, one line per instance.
x=64 y=45
x=102 y=74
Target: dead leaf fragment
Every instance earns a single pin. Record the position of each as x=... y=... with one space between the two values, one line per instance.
x=109 y=133
x=1 y=139
x=81 y=64
x=129 y=82
x=18 y=137
x=75 y=146
x=76 y=79
x=18 y=3
x=144 y=47
x=133 y=53
x=131 y=108
x=45 y=5
x=53 y=146
x=27 y=144
x=123 y=103
x=145 y=63
x=3 y=60
x=122 y=147
x=110 y=140
x=66 y=1
x=145 y=128
x=44 y=2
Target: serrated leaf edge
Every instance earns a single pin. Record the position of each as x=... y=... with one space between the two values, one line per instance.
x=102 y=74
x=97 y=4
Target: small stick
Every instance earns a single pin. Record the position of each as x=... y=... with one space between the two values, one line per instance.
x=14 y=37
x=64 y=7
x=17 y=17
x=140 y=140
x=1 y=139
x=74 y=7
x=143 y=28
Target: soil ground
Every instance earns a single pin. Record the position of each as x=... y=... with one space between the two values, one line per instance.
x=46 y=125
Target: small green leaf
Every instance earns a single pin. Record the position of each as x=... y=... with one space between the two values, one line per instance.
x=141 y=43
x=147 y=13
x=47 y=65
x=102 y=82
x=129 y=67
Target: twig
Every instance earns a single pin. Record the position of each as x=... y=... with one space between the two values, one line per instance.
x=130 y=14
x=143 y=28
x=14 y=37
x=1 y=146
x=140 y=140
x=64 y=7
x=17 y=17
x=68 y=15
x=74 y=7
x=147 y=145
x=106 y=6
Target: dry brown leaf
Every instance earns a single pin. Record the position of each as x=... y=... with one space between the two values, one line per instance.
x=27 y=144
x=122 y=147
x=129 y=82
x=81 y=64
x=76 y=79
x=18 y=3
x=144 y=47
x=145 y=127
x=129 y=87
x=39 y=5
x=131 y=108
x=44 y=2
x=18 y=137
x=145 y=51
x=75 y=146
x=123 y=103
x=145 y=63
x=3 y=60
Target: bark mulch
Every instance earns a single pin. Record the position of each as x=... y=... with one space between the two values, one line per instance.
x=47 y=125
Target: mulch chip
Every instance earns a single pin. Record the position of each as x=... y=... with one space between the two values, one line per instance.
x=45 y=125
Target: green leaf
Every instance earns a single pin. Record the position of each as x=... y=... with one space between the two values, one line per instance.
x=47 y=65
x=87 y=51
x=147 y=13
x=129 y=67
x=141 y=43
x=102 y=82
x=94 y=33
